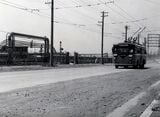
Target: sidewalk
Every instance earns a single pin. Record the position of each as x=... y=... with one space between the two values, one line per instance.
x=155 y=114
x=156 y=110
x=153 y=109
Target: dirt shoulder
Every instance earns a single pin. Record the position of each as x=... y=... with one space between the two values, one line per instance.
x=90 y=97
x=40 y=67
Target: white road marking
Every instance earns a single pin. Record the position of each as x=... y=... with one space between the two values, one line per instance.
x=148 y=111
x=155 y=84
x=121 y=111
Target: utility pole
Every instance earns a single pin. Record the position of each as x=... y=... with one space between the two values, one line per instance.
x=138 y=37
x=60 y=47
x=103 y=16
x=126 y=33
x=145 y=43
x=60 y=50
x=52 y=32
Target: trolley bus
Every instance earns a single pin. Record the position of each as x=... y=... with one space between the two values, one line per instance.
x=129 y=54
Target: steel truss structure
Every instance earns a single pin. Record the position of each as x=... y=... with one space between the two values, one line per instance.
x=153 y=40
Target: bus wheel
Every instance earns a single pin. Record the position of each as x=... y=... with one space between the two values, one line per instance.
x=116 y=66
x=142 y=66
x=137 y=65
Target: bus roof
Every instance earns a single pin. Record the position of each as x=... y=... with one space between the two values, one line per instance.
x=129 y=44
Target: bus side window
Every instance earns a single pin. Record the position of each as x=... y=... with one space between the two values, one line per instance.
x=135 y=50
x=114 y=50
x=141 y=50
x=138 y=50
x=145 y=52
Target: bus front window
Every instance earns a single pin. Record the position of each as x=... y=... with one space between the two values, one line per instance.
x=123 y=50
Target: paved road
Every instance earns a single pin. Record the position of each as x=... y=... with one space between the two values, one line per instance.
x=21 y=79
x=99 y=91
x=147 y=102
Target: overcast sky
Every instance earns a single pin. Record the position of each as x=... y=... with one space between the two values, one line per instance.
x=77 y=27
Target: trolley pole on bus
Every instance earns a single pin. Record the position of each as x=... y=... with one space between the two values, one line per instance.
x=126 y=33
x=103 y=16
x=52 y=32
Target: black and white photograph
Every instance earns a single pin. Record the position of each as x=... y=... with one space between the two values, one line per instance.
x=79 y=58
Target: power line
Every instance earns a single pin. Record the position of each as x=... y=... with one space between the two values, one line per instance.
x=11 y=4
x=22 y=8
x=127 y=14
x=88 y=5
x=153 y=2
x=136 y=20
x=140 y=24
x=26 y=9
x=117 y=12
x=38 y=13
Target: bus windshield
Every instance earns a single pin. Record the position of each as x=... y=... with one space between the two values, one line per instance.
x=123 y=50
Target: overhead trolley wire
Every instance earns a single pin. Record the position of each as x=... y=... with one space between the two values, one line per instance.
x=81 y=6
x=153 y=2
x=141 y=25
x=21 y=7
x=27 y=10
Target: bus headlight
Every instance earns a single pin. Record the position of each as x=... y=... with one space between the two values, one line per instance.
x=115 y=55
